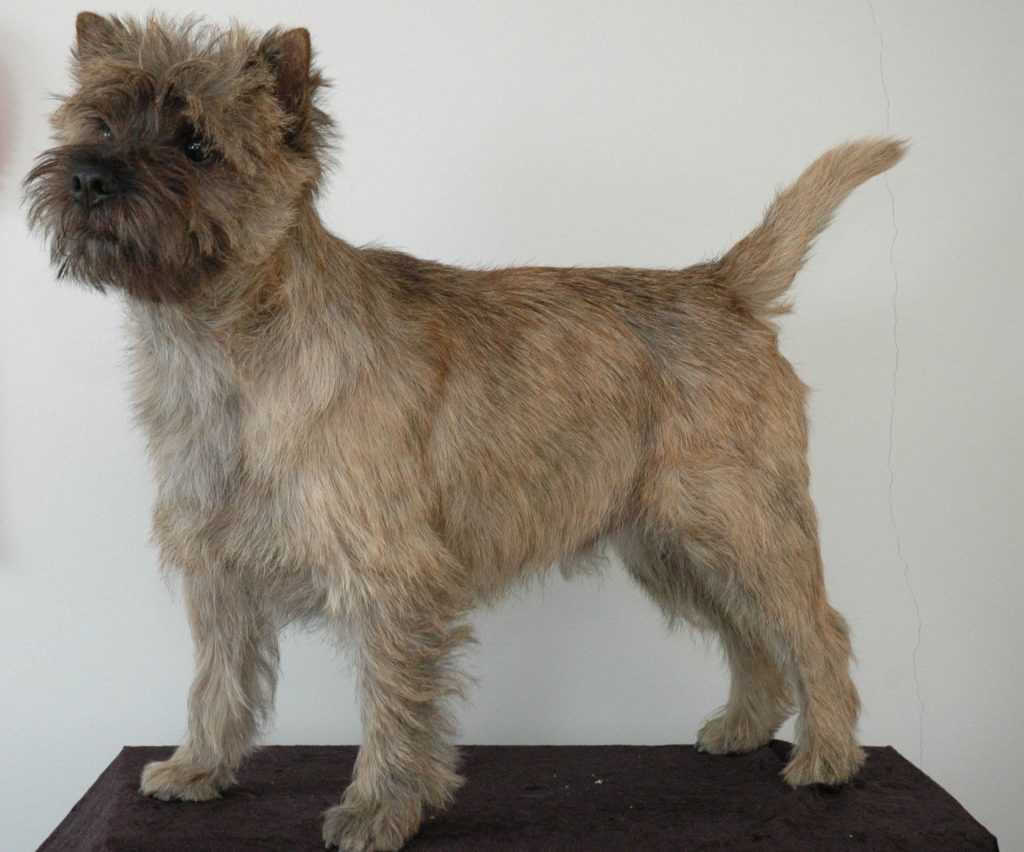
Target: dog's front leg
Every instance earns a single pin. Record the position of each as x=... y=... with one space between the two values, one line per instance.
x=236 y=667
x=403 y=640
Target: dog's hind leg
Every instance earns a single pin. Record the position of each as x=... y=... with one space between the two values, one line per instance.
x=759 y=697
x=753 y=562
x=759 y=694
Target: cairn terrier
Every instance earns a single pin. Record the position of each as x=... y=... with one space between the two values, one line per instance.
x=379 y=443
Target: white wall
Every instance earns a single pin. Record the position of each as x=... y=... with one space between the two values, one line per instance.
x=582 y=133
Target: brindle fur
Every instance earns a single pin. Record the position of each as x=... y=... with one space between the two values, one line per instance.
x=381 y=442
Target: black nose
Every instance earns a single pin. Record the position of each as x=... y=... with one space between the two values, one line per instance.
x=90 y=186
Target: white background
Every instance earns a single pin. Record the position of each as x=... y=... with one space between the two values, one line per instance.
x=642 y=133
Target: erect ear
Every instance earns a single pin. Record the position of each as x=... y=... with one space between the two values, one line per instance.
x=94 y=33
x=289 y=55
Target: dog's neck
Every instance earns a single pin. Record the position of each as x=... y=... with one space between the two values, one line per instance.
x=251 y=307
x=279 y=278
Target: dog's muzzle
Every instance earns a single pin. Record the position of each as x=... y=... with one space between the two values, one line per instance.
x=92 y=185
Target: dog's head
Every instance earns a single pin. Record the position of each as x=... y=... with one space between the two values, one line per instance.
x=184 y=149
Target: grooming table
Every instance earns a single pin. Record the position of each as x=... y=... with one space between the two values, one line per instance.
x=537 y=798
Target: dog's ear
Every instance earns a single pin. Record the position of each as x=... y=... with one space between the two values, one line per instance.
x=94 y=34
x=289 y=55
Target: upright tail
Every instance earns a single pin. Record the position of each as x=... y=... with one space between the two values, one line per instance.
x=761 y=266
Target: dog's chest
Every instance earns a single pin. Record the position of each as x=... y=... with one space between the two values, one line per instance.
x=187 y=401
x=272 y=472
x=214 y=447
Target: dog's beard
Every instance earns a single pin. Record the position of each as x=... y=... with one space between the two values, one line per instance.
x=147 y=241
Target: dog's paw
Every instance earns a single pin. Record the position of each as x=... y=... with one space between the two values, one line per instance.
x=357 y=825
x=182 y=780
x=815 y=764
x=729 y=733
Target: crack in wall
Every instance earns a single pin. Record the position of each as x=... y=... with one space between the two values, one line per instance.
x=892 y=400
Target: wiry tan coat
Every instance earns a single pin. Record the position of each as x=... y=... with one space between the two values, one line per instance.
x=381 y=442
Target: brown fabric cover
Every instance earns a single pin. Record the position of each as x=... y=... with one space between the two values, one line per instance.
x=538 y=798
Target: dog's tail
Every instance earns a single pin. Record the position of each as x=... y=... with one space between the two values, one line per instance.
x=761 y=266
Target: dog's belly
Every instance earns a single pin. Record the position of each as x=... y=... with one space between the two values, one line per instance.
x=518 y=496
x=502 y=526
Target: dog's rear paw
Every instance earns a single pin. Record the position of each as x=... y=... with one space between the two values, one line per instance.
x=813 y=764
x=182 y=780
x=362 y=826
x=729 y=733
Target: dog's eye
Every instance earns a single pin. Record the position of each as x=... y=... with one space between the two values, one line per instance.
x=104 y=130
x=196 y=149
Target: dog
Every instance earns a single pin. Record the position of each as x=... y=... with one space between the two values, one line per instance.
x=378 y=443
